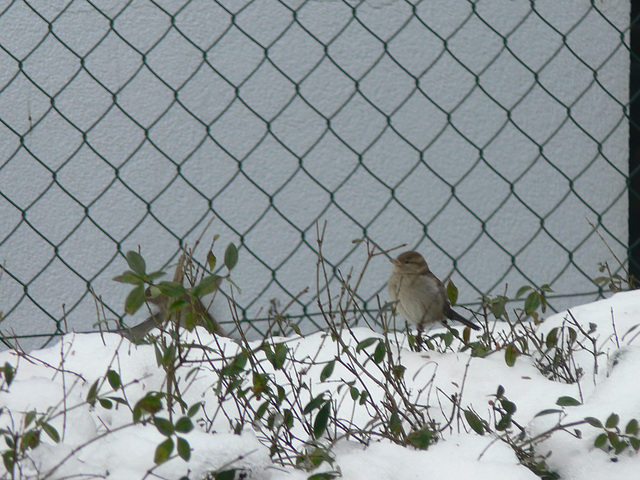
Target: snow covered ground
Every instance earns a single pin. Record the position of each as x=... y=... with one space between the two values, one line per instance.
x=96 y=442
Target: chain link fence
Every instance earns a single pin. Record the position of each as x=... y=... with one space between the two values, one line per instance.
x=487 y=134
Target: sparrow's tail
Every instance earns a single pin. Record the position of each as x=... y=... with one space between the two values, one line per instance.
x=453 y=315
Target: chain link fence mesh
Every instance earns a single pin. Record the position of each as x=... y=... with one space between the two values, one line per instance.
x=487 y=134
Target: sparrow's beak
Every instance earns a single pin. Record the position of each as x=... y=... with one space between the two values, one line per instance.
x=395 y=261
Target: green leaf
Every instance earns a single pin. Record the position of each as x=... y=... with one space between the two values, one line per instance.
x=568 y=402
x=619 y=445
x=30 y=440
x=262 y=409
x=281 y=355
x=136 y=263
x=398 y=371
x=421 y=439
x=184 y=449
x=600 y=441
x=474 y=422
x=226 y=475
x=511 y=354
x=114 y=379
x=233 y=284
x=497 y=306
x=171 y=289
x=321 y=421
x=9 y=459
x=532 y=303
x=158 y=353
x=522 y=290
x=632 y=427
x=466 y=335
x=448 y=337
x=314 y=457
x=594 y=422
x=281 y=394
x=164 y=426
x=29 y=418
x=154 y=275
x=106 y=403
x=260 y=381
x=452 y=292
x=51 y=432
x=236 y=365
x=366 y=343
x=193 y=409
x=134 y=300
x=327 y=370
x=230 y=256
x=395 y=425
x=288 y=418
x=523 y=345
x=9 y=372
x=93 y=393
x=206 y=286
x=508 y=406
x=191 y=319
x=168 y=355
x=163 y=452
x=354 y=392
x=313 y=404
x=271 y=421
x=612 y=421
x=152 y=292
x=129 y=277
x=324 y=476
x=504 y=423
x=211 y=260
x=177 y=305
x=150 y=403
x=552 y=338
x=276 y=358
x=380 y=352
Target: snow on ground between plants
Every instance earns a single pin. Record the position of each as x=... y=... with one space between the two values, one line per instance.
x=104 y=443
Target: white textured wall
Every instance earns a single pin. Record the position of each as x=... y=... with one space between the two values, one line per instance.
x=90 y=130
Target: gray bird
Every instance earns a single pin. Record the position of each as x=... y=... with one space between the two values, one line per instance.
x=418 y=294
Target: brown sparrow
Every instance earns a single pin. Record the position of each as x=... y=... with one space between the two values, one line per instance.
x=161 y=318
x=418 y=294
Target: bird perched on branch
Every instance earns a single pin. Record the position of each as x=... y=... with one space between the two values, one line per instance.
x=418 y=294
